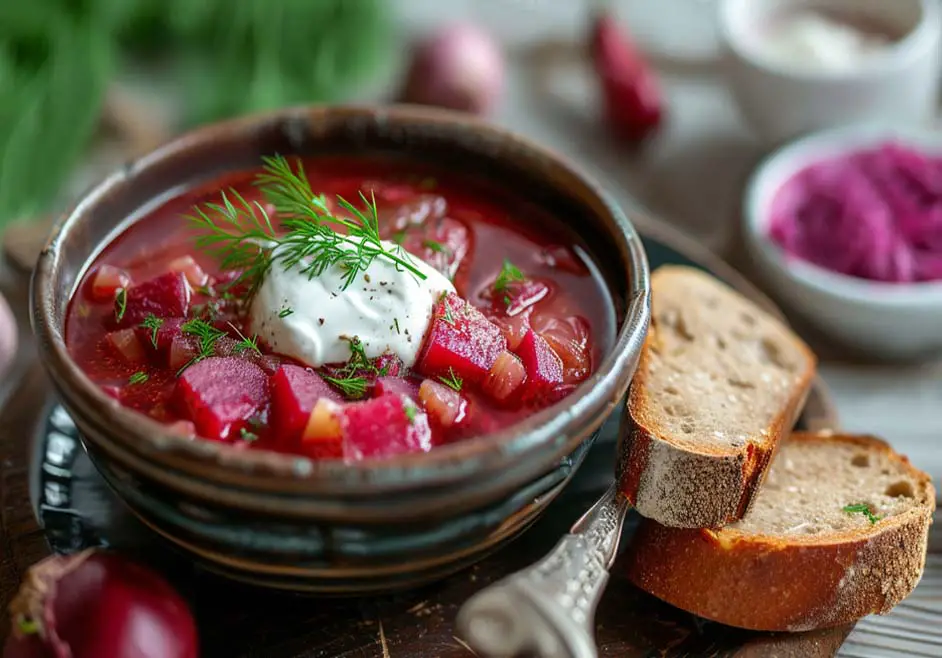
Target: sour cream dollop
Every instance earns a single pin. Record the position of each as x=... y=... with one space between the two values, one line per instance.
x=312 y=319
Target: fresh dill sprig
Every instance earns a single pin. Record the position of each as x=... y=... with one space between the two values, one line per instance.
x=138 y=377
x=410 y=412
x=435 y=245
x=247 y=435
x=351 y=387
x=285 y=312
x=245 y=343
x=153 y=323
x=358 y=358
x=241 y=235
x=862 y=508
x=207 y=335
x=120 y=303
x=508 y=273
x=452 y=381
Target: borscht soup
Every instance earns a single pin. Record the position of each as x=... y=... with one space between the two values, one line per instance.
x=341 y=308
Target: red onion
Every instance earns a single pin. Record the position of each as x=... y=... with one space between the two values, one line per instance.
x=96 y=605
x=460 y=67
x=630 y=89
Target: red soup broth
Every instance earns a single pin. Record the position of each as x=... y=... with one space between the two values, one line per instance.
x=488 y=224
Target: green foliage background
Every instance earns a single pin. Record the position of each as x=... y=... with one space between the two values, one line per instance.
x=57 y=58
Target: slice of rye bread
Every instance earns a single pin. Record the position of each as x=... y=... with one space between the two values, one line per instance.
x=802 y=558
x=719 y=383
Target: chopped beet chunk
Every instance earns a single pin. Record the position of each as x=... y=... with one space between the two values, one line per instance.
x=382 y=427
x=219 y=394
x=167 y=296
x=543 y=366
x=294 y=392
x=168 y=330
x=460 y=341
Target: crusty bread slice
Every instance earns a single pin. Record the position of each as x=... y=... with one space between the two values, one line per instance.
x=719 y=383
x=839 y=531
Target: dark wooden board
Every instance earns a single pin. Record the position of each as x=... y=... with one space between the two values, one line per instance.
x=235 y=620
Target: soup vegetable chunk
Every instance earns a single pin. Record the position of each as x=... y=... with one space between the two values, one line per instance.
x=340 y=309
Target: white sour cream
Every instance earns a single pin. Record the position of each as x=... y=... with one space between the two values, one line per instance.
x=812 y=41
x=312 y=319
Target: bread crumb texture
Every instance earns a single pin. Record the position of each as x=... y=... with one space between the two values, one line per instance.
x=719 y=370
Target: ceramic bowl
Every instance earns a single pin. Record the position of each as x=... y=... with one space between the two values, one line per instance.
x=887 y=320
x=330 y=527
x=900 y=84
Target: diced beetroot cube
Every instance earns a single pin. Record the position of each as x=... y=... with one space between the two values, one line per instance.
x=106 y=281
x=518 y=296
x=513 y=328
x=505 y=378
x=322 y=437
x=294 y=392
x=219 y=394
x=167 y=296
x=168 y=330
x=396 y=386
x=389 y=365
x=460 y=341
x=126 y=344
x=444 y=406
x=383 y=427
x=543 y=366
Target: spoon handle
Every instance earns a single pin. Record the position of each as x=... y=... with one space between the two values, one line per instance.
x=548 y=608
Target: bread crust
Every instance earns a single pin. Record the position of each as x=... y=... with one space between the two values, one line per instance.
x=771 y=583
x=686 y=486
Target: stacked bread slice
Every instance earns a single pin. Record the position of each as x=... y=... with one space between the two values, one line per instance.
x=746 y=522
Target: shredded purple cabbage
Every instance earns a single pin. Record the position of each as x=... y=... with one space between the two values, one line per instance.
x=875 y=214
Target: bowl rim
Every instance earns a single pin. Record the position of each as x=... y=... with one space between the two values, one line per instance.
x=786 y=161
x=142 y=436
x=899 y=55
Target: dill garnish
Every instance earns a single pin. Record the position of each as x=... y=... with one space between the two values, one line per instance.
x=862 y=508
x=352 y=387
x=245 y=343
x=207 y=335
x=452 y=381
x=121 y=304
x=285 y=312
x=410 y=412
x=241 y=235
x=399 y=237
x=508 y=272
x=247 y=435
x=138 y=377
x=153 y=323
x=435 y=246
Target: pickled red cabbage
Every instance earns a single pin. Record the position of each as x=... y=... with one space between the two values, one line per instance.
x=874 y=214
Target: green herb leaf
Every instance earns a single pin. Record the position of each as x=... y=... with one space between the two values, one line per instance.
x=862 y=508
x=410 y=412
x=153 y=323
x=285 y=312
x=399 y=237
x=207 y=335
x=351 y=387
x=138 y=377
x=435 y=246
x=396 y=324
x=27 y=626
x=452 y=381
x=508 y=273
x=245 y=343
x=120 y=304
x=247 y=435
x=241 y=235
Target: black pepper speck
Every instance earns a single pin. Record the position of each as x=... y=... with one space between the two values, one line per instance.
x=320 y=321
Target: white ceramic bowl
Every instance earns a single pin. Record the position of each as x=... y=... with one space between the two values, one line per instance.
x=889 y=320
x=900 y=85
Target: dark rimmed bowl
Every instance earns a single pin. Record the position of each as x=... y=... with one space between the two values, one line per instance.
x=291 y=523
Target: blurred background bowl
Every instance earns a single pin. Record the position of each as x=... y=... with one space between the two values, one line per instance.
x=900 y=84
x=889 y=320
